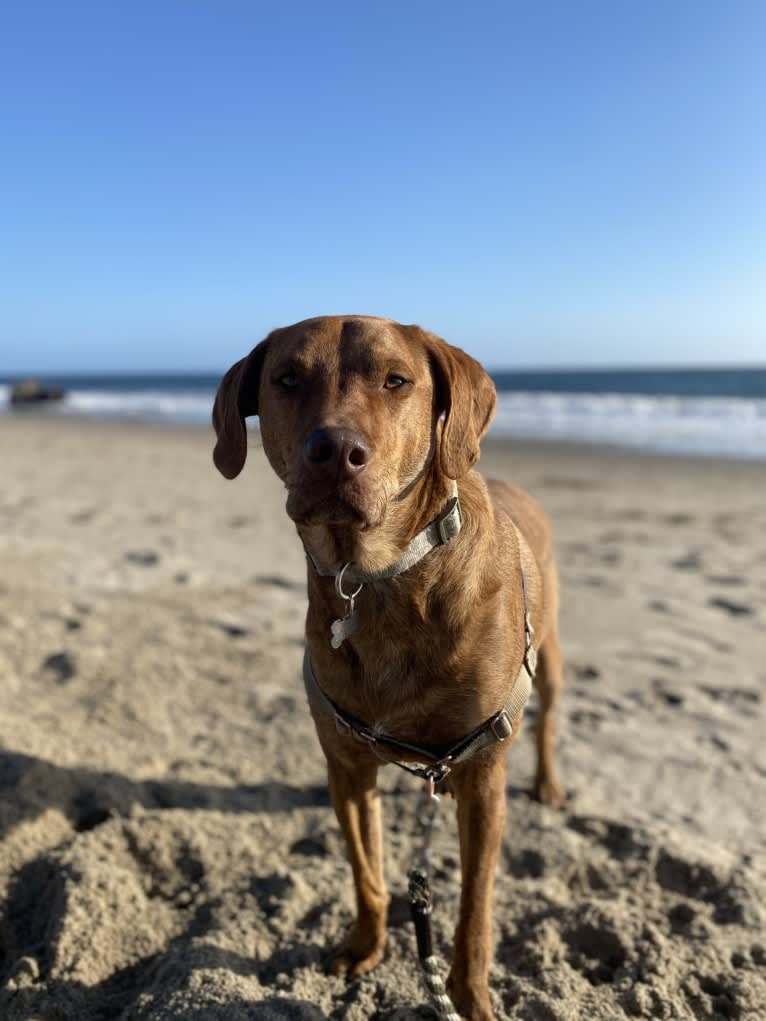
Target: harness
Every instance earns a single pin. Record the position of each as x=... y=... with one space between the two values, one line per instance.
x=437 y=762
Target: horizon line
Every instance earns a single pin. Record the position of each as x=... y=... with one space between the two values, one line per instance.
x=17 y=376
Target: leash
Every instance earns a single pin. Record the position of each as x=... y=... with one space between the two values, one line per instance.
x=419 y=891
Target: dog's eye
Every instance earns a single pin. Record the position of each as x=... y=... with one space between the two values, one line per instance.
x=288 y=380
x=393 y=382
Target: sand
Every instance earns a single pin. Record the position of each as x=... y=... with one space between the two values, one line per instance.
x=167 y=848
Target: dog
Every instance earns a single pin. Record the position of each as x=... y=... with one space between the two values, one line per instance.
x=431 y=593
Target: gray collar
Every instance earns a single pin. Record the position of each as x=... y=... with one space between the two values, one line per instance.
x=441 y=530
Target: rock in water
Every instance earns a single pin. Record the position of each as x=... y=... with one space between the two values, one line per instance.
x=32 y=391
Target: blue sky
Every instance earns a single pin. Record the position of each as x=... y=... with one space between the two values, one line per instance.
x=545 y=184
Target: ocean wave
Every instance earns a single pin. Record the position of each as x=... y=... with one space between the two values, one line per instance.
x=148 y=405
x=182 y=407
x=714 y=426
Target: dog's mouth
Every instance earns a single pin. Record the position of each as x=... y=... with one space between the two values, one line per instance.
x=346 y=505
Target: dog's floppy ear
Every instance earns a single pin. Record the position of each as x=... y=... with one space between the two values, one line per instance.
x=237 y=398
x=465 y=394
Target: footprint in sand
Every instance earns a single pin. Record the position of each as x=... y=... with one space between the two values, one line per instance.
x=730 y=900
x=671 y=662
x=665 y=691
x=611 y=558
x=595 y=948
x=232 y=629
x=622 y=842
x=633 y=514
x=590 y=719
x=594 y=581
x=84 y=516
x=738 y=698
x=679 y=518
x=733 y=580
x=270 y=891
x=719 y=743
x=144 y=558
x=61 y=665
x=681 y=916
x=278 y=581
x=529 y=864
x=730 y=607
x=310 y=847
x=691 y=561
x=586 y=672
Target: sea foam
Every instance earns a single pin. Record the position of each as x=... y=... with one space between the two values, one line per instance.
x=713 y=426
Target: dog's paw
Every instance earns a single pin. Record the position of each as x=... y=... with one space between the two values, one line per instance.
x=357 y=954
x=548 y=791
x=471 y=1004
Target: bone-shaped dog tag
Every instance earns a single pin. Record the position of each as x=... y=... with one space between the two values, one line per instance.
x=344 y=627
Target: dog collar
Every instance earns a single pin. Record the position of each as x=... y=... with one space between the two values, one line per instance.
x=439 y=532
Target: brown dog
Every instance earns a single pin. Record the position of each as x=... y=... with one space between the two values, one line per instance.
x=370 y=425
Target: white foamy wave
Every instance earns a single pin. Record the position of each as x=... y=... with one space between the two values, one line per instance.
x=715 y=426
x=192 y=406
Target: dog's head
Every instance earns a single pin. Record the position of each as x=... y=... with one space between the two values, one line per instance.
x=353 y=410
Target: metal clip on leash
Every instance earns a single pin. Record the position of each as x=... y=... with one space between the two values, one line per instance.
x=420 y=907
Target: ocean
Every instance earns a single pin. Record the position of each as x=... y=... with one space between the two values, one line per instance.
x=707 y=412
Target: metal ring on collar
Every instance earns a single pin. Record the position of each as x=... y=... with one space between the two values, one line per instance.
x=339 y=584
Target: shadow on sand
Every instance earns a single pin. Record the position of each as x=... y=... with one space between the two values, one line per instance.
x=30 y=786
x=32 y=915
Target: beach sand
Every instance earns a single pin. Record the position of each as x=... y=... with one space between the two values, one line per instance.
x=167 y=848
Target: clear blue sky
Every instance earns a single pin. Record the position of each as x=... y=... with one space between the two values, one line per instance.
x=545 y=184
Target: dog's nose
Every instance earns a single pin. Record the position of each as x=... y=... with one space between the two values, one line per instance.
x=336 y=451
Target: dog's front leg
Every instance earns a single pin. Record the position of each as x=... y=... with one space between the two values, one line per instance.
x=479 y=786
x=353 y=788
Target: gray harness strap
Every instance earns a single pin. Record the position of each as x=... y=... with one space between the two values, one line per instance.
x=438 y=762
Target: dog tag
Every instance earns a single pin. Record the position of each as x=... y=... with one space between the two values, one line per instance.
x=345 y=626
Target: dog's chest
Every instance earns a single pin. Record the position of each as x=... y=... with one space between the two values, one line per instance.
x=401 y=682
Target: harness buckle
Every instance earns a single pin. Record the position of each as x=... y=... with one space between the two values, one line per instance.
x=438 y=772
x=501 y=726
x=364 y=734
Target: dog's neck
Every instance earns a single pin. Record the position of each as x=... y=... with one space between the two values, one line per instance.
x=373 y=550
